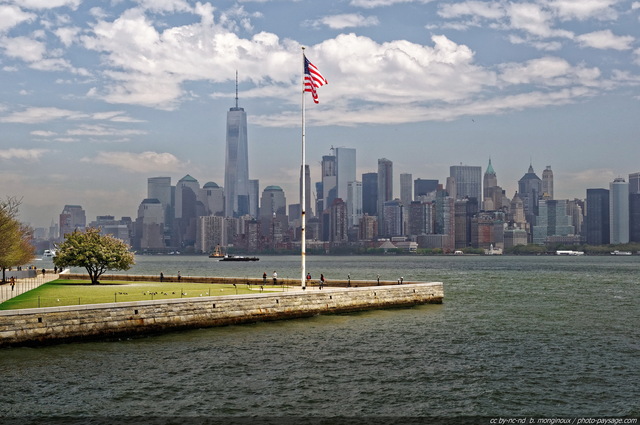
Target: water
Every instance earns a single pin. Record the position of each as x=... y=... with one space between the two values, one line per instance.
x=516 y=336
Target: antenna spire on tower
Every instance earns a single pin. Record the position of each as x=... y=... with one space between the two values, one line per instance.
x=236 y=88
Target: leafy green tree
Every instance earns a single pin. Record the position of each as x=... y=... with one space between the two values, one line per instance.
x=15 y=238
x=95 y=252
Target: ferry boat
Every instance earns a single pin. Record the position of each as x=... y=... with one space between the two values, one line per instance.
x=238 y=258
x=49 y=253
x=616 y=252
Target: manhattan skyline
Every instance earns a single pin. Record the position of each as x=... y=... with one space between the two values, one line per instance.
x=99 y=96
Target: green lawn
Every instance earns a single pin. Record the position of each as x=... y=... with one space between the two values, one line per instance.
x=75 y=292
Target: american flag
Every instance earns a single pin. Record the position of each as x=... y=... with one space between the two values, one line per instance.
x=312 y=79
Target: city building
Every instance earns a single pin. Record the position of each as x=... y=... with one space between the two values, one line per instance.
x=530 y=191
x=634 y=207
x=385 y=190
x=552 y=220
x=149 y=226
x=468 y=181
x=308 y=200
x=370 y=194
x=72 y=218
x=393 y=218
x=236 y=166
x=329 y=180
x=598 y=231
x=354 y=203
x=547 y=183
x=212 y=197
x=424 y=187
x=619 y=211
x=210 y=233
x=345 y=170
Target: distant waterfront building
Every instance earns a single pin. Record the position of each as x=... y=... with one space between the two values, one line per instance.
x=354 y=203
x=72 y=218
x=530 y=191
x=212 y=197
x=619 y=211
x=273 y=211
x=468 y=181
x=187 y=209
x=552 y=220
x=393 y=218
x=368 y=228
x=465 y=210
x=547 y=183
x=421 y=218
x=345 y=170
x=329 y=180
x=339 y=226
x=236 y=166
x=597 y=232
x=634 y=207
x=150 y=226
x=385 y=190
x=370 y=194
x=211 y=233
x=424 y=187
x=254 y=198
x=493 y=195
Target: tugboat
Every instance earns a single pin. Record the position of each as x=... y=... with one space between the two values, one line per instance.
x=217 y=253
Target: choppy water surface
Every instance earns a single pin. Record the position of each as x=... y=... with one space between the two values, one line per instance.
x=516 y=336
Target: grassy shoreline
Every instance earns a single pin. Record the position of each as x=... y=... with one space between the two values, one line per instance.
x=78 y=292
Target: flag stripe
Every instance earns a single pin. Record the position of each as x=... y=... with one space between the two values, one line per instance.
x=312 y=79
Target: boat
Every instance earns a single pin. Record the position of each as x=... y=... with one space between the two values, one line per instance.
x=49 y=253
x=616 y=252
x=569 y=252
x=229 y=257
x=217 y=253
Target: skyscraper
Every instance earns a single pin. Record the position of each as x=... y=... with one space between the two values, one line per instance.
x=634 y=207
x=236 y=173
x=329 y=180
x=547 y=183
x=597 y=216
x=530 y=190
x=468 y=180
x=72 y=218
x=385 y=189
x=619 y=211
x=345 y=170
x=370 y=193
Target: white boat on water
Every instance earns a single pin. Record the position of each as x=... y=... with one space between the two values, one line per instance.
x=49 y=253
x=616 y=252
x=568 y=252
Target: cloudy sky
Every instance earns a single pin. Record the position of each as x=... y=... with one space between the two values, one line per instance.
x=97 y=96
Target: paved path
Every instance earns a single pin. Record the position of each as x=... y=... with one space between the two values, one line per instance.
x=24 y=285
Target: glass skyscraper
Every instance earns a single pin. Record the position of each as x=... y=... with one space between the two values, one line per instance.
x=236 y=171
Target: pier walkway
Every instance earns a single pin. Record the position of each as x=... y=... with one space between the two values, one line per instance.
x=25 y=284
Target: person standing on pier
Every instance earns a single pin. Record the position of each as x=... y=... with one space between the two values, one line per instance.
x=275 y=278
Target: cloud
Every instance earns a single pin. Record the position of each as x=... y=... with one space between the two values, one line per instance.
x=605 y=39
x=348 y=20
x=533 y=19
x=23 y=154
x=370 y=4
x=584 y=9
x=145 y=162
x=49 y=4
x=481 y=9
x=11 y=16
x=35 y=115
x=548 y=72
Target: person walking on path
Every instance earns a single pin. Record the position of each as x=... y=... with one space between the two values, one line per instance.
x=13 y=283
x=264 y=278
x=275 y=278
x=321 y=280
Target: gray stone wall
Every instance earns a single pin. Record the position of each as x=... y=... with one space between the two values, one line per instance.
x=57 y=324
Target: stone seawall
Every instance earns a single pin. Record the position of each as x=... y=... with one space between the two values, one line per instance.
x=39 y=326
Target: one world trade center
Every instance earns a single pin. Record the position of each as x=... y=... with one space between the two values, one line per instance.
x=236 y=174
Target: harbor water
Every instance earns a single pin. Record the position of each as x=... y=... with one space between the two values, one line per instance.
x=537 y=336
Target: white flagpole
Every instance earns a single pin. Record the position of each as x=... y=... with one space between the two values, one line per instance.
x=303 y=201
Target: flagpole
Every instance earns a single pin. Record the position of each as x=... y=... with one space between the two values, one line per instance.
x=303 y=201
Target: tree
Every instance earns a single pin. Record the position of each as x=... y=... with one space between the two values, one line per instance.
x=15 y=238
x=95 y=252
